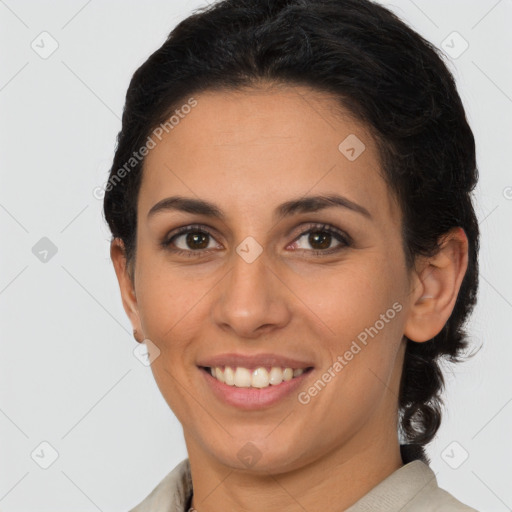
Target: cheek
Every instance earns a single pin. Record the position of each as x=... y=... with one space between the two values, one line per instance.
x=362 y=306
x=351 y=297
x=167 y=302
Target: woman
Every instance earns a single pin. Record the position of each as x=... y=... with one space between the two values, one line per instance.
x=295 y=242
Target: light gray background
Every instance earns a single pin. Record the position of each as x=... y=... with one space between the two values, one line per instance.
x=68 y=374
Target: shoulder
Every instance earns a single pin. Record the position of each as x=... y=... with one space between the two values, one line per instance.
x=440 y=500
x=171 y=494
x=434 y=498
x=411 y=488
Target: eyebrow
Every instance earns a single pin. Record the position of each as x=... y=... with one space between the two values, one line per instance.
x=302 y=205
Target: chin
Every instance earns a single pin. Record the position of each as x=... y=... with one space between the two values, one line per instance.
x=259 y=456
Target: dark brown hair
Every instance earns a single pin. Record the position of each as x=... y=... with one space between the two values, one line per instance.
x=384 y=74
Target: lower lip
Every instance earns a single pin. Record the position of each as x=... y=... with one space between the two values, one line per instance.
x=253 y=398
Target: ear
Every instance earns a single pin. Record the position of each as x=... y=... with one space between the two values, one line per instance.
x=126 y=285
x=435 y=286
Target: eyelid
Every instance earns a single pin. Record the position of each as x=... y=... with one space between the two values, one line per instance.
x=321 y=226
x=202 y=228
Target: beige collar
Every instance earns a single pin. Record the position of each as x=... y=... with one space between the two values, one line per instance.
x=412 y=487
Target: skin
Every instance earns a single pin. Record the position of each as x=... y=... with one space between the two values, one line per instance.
x=248 y=151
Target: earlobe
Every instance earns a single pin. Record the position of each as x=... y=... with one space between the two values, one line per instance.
x=437 y=284
x=126 y=284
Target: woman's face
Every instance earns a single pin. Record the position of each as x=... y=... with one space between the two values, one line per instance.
x=269 y=277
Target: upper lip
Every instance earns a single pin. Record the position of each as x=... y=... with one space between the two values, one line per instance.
x=254 y=361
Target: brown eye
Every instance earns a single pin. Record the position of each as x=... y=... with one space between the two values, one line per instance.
x=190 y=240
x=320 y=239
x=196 y=240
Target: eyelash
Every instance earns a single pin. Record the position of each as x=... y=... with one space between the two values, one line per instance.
x=345 y=240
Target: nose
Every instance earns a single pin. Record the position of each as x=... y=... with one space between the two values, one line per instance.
x=252 y=299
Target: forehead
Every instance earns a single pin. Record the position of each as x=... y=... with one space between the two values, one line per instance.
x=262 y=143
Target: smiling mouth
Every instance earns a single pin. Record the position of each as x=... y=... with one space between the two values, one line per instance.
x=261 y=377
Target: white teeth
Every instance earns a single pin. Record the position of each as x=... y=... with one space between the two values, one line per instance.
x=276 y=376
x=259 y=378
x=242 y=378
x=229 y=376
x=219 y=375
x=288 y=374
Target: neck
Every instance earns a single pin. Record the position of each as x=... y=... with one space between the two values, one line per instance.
x=332 y=482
